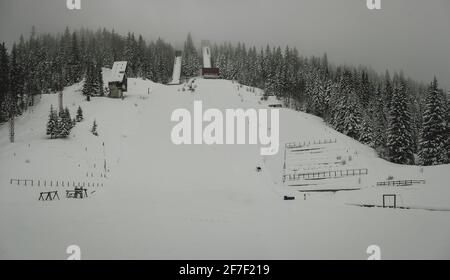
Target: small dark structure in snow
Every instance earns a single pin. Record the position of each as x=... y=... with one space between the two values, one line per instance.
x=118 y=80
x=276 y=105
x=77 y=193
x=389 y=201
x=210 y=73
x=48 y=196
x=289 y=197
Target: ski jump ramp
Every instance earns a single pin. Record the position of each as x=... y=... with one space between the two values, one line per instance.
x=206 y=57
x=176 y=71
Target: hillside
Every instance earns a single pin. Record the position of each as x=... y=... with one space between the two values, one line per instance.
x=156 y=200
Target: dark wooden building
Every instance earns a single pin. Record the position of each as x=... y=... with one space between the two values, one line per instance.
x=118 y=81
x=210 y=73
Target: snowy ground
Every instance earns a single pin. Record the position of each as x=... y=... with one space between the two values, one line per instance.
x=162 y=201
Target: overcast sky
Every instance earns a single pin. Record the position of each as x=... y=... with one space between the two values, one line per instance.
x=413 y=35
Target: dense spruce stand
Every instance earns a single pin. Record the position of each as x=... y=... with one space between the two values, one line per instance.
x=407 y=122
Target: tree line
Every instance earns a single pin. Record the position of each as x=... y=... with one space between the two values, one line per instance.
x=46 y=63
x=406 y=121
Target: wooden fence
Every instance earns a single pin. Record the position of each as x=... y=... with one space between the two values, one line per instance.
x=52 y=183
x=325 y=174
x=295 y=145
x=400 y=183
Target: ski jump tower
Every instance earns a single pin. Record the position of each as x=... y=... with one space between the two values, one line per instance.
x=206 y=54
x=176 y=69
x=208 y=72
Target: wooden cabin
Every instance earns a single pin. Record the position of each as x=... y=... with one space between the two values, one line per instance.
x=118 y=80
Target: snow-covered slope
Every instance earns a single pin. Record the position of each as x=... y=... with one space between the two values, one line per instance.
x=159 y=200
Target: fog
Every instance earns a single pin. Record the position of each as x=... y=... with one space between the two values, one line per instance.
x=409 y=35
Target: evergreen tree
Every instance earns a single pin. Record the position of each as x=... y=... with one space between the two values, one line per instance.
x=65 y=123
x=367 y=133
x=98 y=81
x=346 y=111
x=399 y=140
x=66 y=57
x=4 y=82
x=89 y=80
x=447 y=134
x=94 y=128
x=16 y=85
x=52 y=124
x=380 y=121
x=433 y=137
x=388 y=93
x=352 y=117
x=365 y=93
x=131 y=55
x=74 y=68
x=140 y=54
x=79 y=116
x=190 y=65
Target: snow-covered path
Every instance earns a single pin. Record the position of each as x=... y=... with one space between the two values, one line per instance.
x=162 y=201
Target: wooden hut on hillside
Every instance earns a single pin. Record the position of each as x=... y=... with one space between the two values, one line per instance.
x=118 y=80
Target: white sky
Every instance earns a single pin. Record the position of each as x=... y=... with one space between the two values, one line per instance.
x=413 y=35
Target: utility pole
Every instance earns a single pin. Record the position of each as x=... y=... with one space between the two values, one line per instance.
x=284 y=165
x=11 y=128
x=104 y=158
x=12 y=113
x=60 y=100
x=61 y=89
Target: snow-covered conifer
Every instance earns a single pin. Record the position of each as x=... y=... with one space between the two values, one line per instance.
x=399 y=140
x=79 y=116
x=432 y=148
